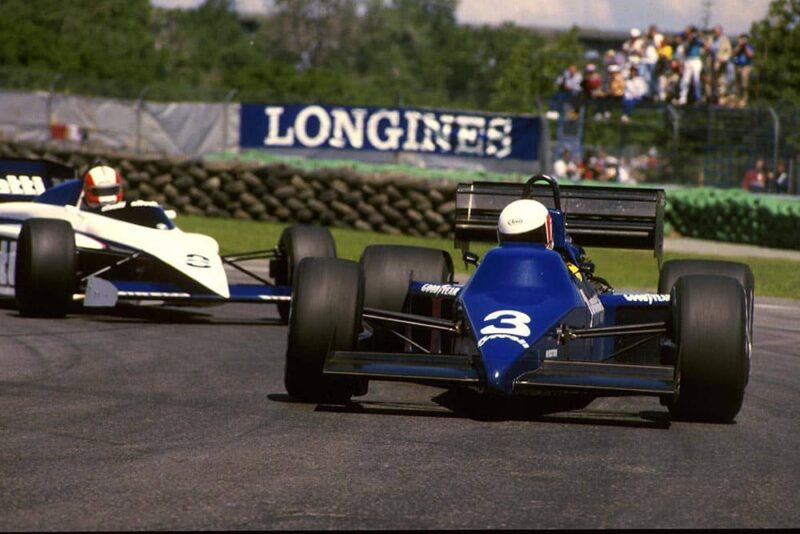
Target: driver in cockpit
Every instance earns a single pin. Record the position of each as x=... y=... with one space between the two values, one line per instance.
x=102 y=186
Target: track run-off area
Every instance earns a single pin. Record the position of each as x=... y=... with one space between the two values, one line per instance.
x=177 y=418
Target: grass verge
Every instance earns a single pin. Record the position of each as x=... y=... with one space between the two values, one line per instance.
x=629 y=269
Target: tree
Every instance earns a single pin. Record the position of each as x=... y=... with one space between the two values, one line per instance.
x=776 y=40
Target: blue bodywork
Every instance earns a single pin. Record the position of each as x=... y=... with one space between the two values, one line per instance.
x=514 y=314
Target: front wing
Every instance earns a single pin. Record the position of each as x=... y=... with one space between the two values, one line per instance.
x=452 y=369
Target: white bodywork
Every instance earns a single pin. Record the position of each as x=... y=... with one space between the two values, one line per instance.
x=194 y=255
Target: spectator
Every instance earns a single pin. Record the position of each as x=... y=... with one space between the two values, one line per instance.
x=647 y=67
x=755 y=179
x=664 y=71
x=781 y=178
x=612 y=95
x=743 y=62
x=635 y=89
x=720 y=48
x=569 y=88
x=612 y=57
x=565 y=168
x=591 y=84
x=634 y=45
x=692 y=65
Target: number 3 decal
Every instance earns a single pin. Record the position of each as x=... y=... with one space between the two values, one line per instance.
x=508 y=322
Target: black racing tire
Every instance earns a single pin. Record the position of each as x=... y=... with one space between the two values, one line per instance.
x=387 y=272
x=710 y=331
x=327 y=299
x=672 y=270
x=45 y=268
x=389 y=268
x=298 y=242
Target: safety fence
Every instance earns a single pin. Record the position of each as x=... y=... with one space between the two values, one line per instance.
x=696 y=145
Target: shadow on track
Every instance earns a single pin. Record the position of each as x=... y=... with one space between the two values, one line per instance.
x=132 y=313
x=470 y=404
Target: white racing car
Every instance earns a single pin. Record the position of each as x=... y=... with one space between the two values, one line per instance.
x=54 y=253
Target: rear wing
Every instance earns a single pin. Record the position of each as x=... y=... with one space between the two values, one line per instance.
x=612 y=217
x=24 y=179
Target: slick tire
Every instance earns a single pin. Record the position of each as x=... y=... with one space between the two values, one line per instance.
x=389 y=268
x=674 y=269
x=387 y=272
x=327 y=298
x=298 y=242
x=45 y=268
x=710 y=331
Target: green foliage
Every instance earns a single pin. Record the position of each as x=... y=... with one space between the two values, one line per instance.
x=777 y=51
x=360 y=52
x=82 y=39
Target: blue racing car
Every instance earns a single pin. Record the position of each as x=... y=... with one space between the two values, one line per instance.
x=533 y=319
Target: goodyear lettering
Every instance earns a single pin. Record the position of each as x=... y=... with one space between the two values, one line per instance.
x=441 y=290
x=648 y=298
x=21 y=184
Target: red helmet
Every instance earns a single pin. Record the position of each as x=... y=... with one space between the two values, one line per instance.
x=102 y=185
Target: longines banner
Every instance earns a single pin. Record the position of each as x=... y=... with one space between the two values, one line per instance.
x=461 y=134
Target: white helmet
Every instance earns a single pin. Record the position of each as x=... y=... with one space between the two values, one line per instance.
x=527 y=221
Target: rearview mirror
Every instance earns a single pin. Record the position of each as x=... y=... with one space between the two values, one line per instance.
x=470 y=258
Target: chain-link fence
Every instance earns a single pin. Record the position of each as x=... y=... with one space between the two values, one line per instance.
x=698 y=145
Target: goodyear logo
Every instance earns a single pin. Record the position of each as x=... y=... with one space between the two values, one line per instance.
x=13 y=184
x=441 y=290
x=646 y=298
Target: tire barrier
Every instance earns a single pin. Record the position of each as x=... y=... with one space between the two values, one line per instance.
x=385 y=202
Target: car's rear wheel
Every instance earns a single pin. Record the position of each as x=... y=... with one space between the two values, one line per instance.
x=45 y=268
x=298 y=242
x=710 y=330
x=327 y=299
x=388 y=269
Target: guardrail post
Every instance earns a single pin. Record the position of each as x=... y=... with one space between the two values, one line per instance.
x=776 y=130
x=50 y=95
x=139 y=106
x=228 y=98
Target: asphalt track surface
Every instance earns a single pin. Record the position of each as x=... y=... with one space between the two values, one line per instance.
x=153 y=418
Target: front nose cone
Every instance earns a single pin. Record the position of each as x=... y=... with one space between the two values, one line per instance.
x=499 y=355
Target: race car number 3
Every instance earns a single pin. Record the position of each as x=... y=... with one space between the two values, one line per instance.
x=508 y=322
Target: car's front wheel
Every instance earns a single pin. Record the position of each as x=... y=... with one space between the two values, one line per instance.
x=327 y=299
x=709 y=326
x=45 y=268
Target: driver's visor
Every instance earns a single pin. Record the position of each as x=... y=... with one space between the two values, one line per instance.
x=537 y=235
x=105 y=190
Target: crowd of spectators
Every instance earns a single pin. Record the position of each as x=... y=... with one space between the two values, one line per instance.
x=596 y=164
x=760 y=179
x=691 y=66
